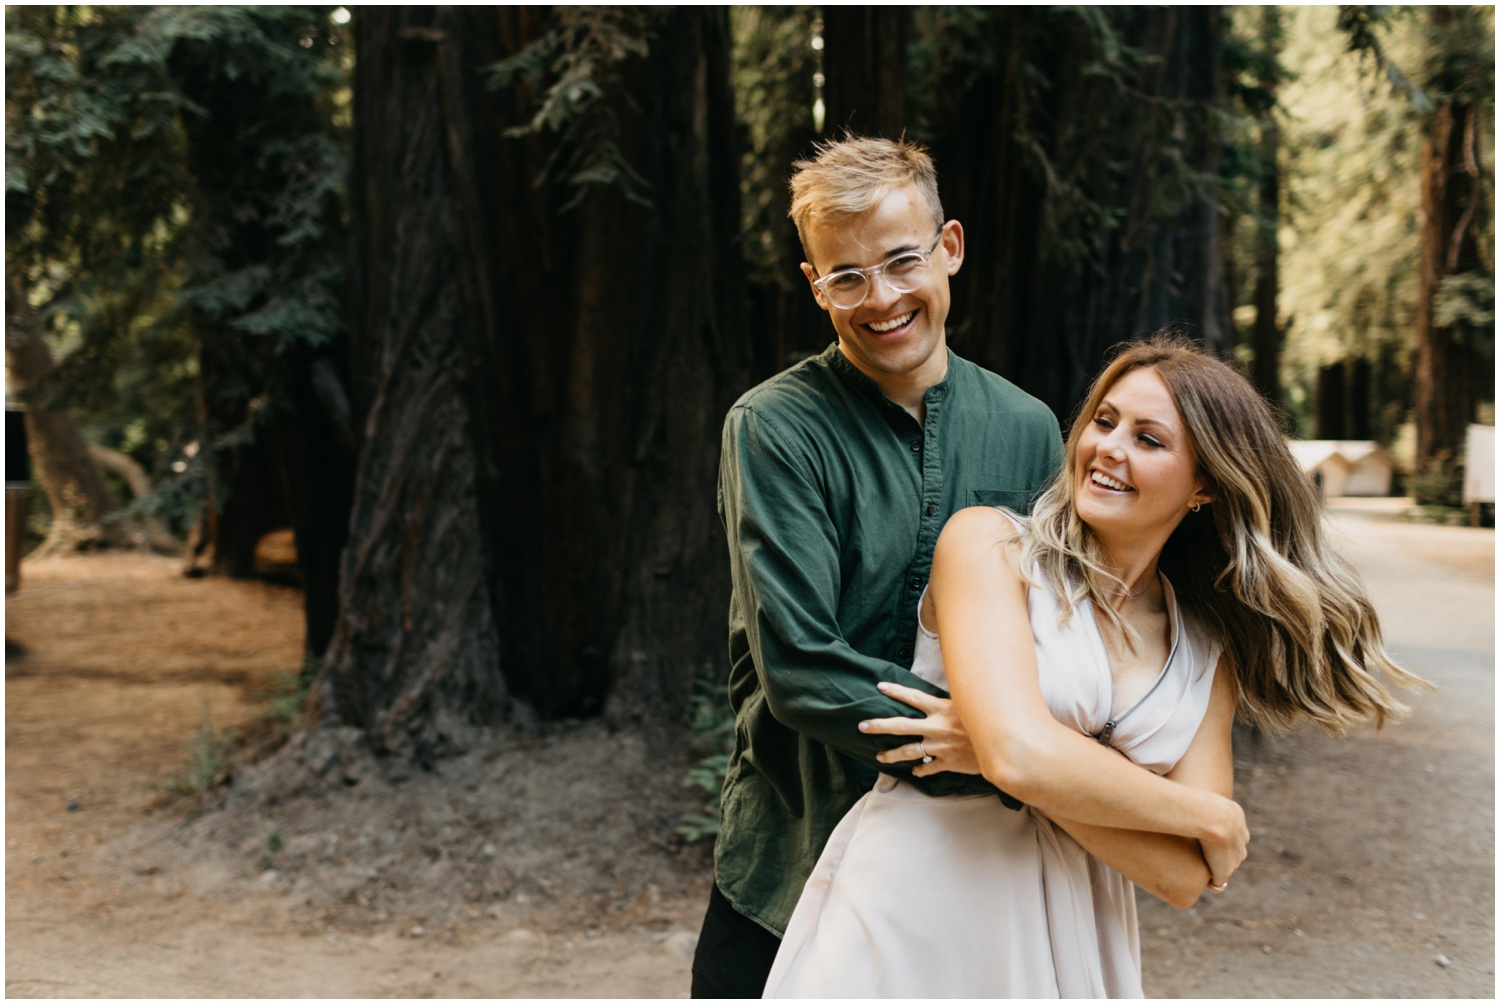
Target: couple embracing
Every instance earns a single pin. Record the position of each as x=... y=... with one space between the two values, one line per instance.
x=881 y=838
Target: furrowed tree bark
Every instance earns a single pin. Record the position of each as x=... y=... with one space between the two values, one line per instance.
x=415 y=656
x=540 y=388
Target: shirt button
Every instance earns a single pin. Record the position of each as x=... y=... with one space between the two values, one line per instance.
x=905 y=652
x=916 y=446
x=916 y=582
x=931 y=509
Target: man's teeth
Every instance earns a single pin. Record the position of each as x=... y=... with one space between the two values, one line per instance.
x=1109 y=482
x=892 y=324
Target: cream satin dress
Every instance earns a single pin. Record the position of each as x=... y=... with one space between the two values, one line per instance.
x=918 y=896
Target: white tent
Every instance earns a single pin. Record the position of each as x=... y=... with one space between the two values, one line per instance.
x=1345 y=466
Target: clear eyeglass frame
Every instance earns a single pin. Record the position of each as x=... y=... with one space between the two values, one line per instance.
x=912 y=261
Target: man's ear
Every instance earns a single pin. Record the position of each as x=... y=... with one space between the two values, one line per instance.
x=953 y=244
x=808 y=271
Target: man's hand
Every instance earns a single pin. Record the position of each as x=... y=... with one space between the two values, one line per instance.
x=940 y=735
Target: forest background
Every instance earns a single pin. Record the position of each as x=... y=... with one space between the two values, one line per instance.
x=461 y=295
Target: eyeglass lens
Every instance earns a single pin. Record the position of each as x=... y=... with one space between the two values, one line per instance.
x=904 y=273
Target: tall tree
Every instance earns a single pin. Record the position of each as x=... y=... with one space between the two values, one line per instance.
x=90 y=172
x=864 y=68
x=264 y=271
x=1079 y=147
x=547 y=332
x=1457 y=282
x=173 y=199
x=775 y=71
x=1266 y=338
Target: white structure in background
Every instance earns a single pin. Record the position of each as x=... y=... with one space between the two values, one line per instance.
x=1345 y=466
x=1479 y=466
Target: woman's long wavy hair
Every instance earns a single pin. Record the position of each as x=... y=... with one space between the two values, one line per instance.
x=1254 y=565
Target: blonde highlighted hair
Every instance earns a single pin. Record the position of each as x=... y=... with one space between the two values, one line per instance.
x=850 y=176
x=1254 y=565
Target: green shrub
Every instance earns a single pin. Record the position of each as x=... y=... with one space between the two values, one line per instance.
x=1441 y=482
x=713 y=732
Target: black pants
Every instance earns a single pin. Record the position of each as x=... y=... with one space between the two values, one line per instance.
x=734 y=953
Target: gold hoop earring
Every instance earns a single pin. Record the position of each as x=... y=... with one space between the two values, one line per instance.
x=1196 y=506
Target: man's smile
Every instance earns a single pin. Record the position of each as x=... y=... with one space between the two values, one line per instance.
x=884 y=327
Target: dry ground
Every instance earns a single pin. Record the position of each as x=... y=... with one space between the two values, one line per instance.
x=544 y=864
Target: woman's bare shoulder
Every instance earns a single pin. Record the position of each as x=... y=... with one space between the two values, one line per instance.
x=977 y=530
x=982 y=524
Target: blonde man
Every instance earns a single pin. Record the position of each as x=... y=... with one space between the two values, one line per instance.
x=836 y=477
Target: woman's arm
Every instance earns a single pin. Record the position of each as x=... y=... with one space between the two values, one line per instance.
x=1169 y=867
x=980 y=603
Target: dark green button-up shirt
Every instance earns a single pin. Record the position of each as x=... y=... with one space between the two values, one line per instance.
x=832 y=497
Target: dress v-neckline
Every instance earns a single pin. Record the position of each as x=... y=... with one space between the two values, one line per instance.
x=1101 y=654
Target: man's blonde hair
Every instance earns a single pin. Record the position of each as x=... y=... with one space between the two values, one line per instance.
x=850 y=176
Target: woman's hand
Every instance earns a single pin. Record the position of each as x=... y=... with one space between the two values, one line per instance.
x=940 y=735
x=1225 y=847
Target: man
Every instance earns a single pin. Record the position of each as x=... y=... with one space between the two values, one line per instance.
x=836 y=477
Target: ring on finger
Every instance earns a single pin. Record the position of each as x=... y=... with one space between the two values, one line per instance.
x=1220 y=887
x=926 y=756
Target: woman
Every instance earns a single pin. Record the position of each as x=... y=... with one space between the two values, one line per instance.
x=1176 y=571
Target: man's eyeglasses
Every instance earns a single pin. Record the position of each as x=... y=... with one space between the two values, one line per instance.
x=904 y=273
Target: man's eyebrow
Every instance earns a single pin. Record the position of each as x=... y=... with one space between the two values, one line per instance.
x=893 y=252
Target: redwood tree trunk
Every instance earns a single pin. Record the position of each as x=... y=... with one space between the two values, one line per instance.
x=1266 y=336
x=415 y=657
x=864 y=69
x=542 y=390
x=1445 y=365
x=1042 y=296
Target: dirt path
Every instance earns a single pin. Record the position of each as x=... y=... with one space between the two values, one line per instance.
x=1372 y=863
x=540 y=867
x=544 y=865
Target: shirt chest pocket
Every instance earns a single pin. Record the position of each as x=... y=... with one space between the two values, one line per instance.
x=1012 y=498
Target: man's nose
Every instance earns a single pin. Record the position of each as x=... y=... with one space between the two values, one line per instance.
x=881 y=294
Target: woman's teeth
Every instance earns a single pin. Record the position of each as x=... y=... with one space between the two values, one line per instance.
x=1109 y=482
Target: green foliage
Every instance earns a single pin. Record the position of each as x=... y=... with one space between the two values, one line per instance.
x=208 y=767
x=283 y=704
x=573 y=65
x=1364 y=25
x=125 y=237
x=272 y=845
x=1116 y=165
x=1440 y=483
x=1351 y=240
x=1352 y=162
x=1465 y=300
x=713 y=731
x=773 y=63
